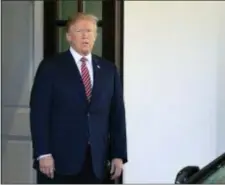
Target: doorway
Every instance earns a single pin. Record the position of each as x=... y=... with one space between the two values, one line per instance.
x=109 y=43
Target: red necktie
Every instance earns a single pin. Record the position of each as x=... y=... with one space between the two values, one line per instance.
x=86 y=78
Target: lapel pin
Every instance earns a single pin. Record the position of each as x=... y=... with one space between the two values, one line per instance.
x=98 y=66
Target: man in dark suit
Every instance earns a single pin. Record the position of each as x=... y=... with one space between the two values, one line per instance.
x=77 y=112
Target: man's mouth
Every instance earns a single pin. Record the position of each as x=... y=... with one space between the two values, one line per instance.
x=85 y=43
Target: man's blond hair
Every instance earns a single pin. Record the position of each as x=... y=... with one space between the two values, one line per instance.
x=81 y=16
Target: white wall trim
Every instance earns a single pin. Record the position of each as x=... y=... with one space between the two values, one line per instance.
x=38 y=44
x=38 y=33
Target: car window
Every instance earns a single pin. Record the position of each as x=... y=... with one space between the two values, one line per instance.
x=215 y=177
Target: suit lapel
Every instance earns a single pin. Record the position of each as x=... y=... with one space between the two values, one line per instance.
x=75 y=75
x=97 y=71
x=97 y=77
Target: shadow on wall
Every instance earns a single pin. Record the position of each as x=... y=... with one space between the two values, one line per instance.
x=17 y=76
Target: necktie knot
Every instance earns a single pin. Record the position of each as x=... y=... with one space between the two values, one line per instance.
x=83 y=59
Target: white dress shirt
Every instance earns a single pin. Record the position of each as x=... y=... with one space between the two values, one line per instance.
x=77 y=59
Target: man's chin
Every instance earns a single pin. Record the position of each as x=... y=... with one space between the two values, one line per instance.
x=86 y=51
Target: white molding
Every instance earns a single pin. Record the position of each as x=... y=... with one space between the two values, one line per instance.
x=38 y=33
x=38 y=46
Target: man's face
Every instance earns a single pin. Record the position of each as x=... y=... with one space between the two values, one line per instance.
x=81 y=35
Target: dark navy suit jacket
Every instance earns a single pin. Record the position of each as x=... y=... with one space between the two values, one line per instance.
x=63 y=121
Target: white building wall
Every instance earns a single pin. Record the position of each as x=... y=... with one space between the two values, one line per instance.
x=174 y=81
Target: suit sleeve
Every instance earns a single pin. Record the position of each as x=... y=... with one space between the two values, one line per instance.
x=118 y=138
x=40 y=103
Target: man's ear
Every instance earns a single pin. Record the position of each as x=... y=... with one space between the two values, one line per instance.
x=96 y=35
x=68 y=37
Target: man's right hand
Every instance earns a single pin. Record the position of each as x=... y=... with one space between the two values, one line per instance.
x=47 y=166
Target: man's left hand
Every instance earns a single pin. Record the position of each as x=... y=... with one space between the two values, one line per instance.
x=116 y=168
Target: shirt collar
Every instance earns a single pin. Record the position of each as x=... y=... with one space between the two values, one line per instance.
x=77 y=56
